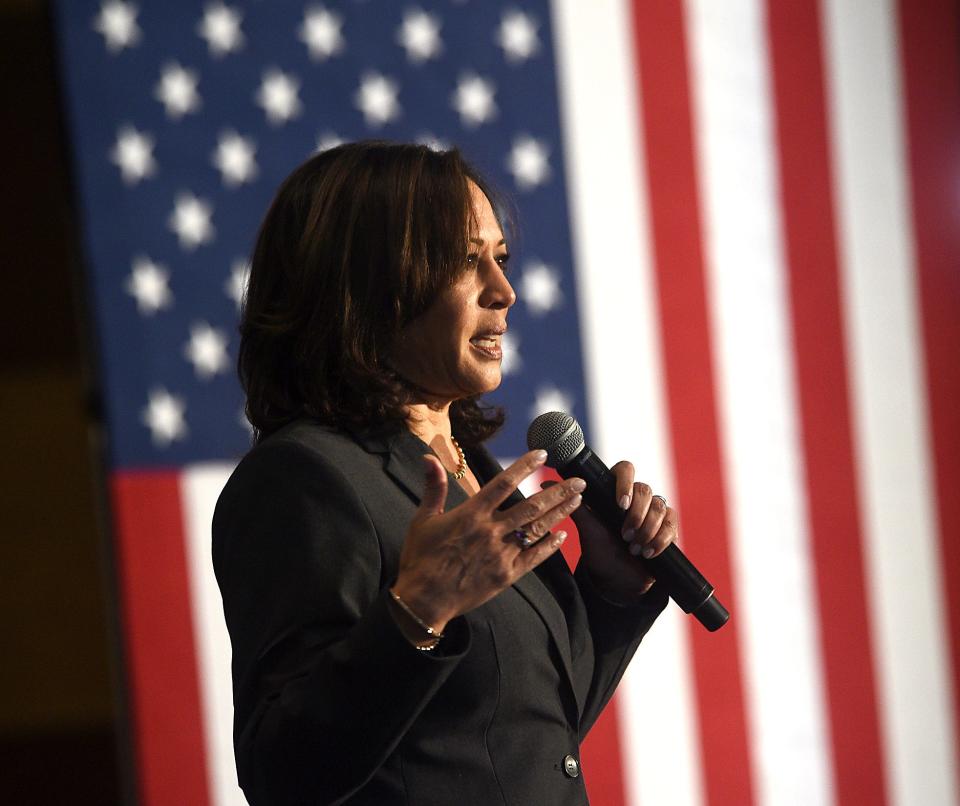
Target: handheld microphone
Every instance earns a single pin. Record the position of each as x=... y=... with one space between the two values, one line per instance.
x=567 y=452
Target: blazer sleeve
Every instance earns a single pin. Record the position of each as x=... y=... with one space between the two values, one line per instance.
x=616 y=631
x=325 y=685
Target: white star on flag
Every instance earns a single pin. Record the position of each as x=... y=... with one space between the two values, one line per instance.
x=164 y=417
x=220 y=26
x=117 y=21
x=234 y=158
x=377 y=99
x=549 y=398
x=206 y=350
x=177 y=90
x=540 y=288
x=236 y=285
x=133 y=154
x=190 y=220
x=278 y=96
x=517 y=35
x=511 y=362
x=474 y=101
x=148 y=285
x=528 y=162
x=328 y=140
x=320 y=31
x=419 y=34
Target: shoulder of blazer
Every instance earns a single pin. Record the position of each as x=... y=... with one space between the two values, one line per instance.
x=317 y=438
x=297 y=456
x=361 y=457
x=353 y=455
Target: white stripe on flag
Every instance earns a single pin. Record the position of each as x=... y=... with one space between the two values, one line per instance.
x=752 y=352
x=200 y=486
x=892 y=432
x=621 y=354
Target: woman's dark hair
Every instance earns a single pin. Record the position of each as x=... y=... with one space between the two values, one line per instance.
x=358 y=241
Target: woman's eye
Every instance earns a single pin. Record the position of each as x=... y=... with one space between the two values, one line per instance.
x=501 y=260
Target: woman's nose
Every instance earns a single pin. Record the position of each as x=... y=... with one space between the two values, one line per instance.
x=497 y=292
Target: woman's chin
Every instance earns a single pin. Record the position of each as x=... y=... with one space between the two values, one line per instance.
x=482 y=383
x=493 y=382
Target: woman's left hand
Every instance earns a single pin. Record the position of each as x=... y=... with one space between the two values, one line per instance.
x=649 y=527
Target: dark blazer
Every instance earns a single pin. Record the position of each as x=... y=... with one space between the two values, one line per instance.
x=333 y=705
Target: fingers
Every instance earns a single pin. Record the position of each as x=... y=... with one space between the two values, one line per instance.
x=542 y=524
x=666 y=534
x=658 y=530
x=582 y=517
x=500 y=487
x=624 y=473
x=640 y=526
x=435 y=487
x=532 y=513
x=640 y=500
x=532 y=557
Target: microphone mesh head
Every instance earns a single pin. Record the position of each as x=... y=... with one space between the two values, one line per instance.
x=558 y=434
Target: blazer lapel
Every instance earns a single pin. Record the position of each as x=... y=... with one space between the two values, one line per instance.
x=403 y=463
x=530 y=586
x=403 y=454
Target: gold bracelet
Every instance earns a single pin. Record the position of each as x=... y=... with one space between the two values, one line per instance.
x=434 y=635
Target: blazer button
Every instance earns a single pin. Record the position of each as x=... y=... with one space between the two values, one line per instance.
x=571 y=766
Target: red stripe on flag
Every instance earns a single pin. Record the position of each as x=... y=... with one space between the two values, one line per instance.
x=158 y=633
x=602 y=759
x=600 y=753
x=821 y=365
x=930 y=40
x=660 y=43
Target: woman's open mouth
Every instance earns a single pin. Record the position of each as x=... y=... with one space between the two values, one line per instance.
x=488 y=344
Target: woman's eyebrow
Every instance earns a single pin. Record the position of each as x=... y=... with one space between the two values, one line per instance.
x=480 y=241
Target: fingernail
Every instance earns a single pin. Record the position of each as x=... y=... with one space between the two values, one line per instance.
x=648 y=552
x=559 y=537
x=629 y=535
x=540 y=456
x=578 y=485
x=625 y=501
x=634 y=549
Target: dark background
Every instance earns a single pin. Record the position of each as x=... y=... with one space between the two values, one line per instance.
x=60 y=690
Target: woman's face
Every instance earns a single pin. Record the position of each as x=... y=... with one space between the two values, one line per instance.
x=454 y=349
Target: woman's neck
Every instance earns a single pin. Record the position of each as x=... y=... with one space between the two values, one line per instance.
x=430 y=420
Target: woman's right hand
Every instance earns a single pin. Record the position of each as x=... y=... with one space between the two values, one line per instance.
x=452 y=562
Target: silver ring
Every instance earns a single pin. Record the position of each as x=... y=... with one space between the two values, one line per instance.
x=524 y=538
x=662 y=499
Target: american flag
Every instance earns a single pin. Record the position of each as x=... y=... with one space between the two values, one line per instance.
x=739 y=267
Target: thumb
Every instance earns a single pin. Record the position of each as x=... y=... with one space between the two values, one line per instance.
x=435 y=487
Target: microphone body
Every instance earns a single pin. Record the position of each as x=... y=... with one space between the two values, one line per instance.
x=671 y=568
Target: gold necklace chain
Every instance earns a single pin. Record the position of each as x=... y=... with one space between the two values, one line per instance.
x=461 y=470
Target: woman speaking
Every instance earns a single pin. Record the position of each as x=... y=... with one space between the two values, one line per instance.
x=404 y=629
